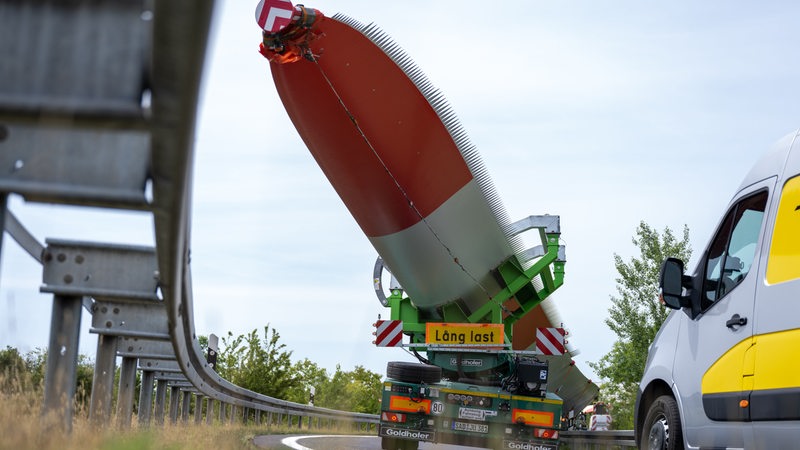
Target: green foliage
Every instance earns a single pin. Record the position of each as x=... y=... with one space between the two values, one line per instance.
x=636 y=315
x=311 y=375
x=264 y=366
x=13 y=371
x=622 y=398
x=261 y=366
x=203 y=341
x=358 y=391
x=84 y=378
x=36 y=362
x=25 y=373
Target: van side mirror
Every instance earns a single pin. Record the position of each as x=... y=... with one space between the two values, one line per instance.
x=671 y=284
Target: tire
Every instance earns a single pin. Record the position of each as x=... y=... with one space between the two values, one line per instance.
x=388 y=443
x=413 y=372
x=662 y=426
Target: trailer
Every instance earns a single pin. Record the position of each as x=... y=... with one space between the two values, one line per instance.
x=467 y=295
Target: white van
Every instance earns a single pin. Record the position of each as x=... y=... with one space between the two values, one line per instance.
x=724 y=370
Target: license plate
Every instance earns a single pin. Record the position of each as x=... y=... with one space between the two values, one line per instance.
x=522 y=444
x=473 y=427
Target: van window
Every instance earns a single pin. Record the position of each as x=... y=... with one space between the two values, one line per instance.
x=731 y=253
x=784 y=251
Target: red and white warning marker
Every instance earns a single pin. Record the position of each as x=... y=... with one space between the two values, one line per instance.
x=273 y=15
x=550 y=341
x=389 y=333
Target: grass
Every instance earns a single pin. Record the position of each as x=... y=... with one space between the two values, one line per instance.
x=22 y=426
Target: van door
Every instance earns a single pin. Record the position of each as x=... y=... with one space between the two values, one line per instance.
x=775 y=398
x=712 y=347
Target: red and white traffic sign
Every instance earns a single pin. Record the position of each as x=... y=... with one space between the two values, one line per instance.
x=550 y=341
x=389 y=333
x=273 y=15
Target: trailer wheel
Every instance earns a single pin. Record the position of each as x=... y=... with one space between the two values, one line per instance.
x=412 y=445
x=413 y=372
x=388 y=443
x=662 y=426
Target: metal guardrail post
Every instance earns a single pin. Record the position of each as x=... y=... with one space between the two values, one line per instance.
x=210 y=411
x=121 y=279
x=258 y=417
x=161 y=400
x=103 y=380
x=62 y=358
x=233 y=414
x=174 y=402
x=127 y=389
x=186 y=398
x=222 y=407
x=146 y=398
x=198 y=408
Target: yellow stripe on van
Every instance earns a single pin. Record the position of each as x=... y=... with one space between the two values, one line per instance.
x=763 y=362
x=777 y=360
x=726 y=374
x=784 y=252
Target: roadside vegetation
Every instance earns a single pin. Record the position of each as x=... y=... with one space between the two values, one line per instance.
x=258 y=363
x=635 y=317
x=262 y=364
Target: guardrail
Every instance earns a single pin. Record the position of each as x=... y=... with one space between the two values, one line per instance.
x=120 y=139
x=127 y=129
x=597 y=440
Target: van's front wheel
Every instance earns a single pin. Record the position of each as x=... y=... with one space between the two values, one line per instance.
x=662 y=427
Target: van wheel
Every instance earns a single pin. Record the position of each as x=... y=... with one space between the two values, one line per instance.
x=413 y=372
x=662 y=426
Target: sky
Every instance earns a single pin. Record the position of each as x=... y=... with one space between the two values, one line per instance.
x=605 y=113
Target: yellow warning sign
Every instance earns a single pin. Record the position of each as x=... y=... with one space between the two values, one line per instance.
x=464 y=333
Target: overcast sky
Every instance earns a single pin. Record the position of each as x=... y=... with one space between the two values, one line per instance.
x=605 y=113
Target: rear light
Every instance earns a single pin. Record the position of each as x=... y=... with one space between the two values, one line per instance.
x=393 y=417
x=545 y=433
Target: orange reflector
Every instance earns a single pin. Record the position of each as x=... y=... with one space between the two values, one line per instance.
x=536 y=418
x=397 y=403
x=744 y=404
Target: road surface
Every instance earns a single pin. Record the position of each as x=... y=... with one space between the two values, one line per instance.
x=338 y=442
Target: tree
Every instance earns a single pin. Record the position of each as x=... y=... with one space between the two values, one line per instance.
x=357 y=391
x=264 y=366
x=261 y=366
x=636 y=316
x=311 y=375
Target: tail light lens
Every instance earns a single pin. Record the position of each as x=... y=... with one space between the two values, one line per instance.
x=393 y=417
x=545 y=433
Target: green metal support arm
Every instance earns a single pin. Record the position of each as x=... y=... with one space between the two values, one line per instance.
x=549 y=268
